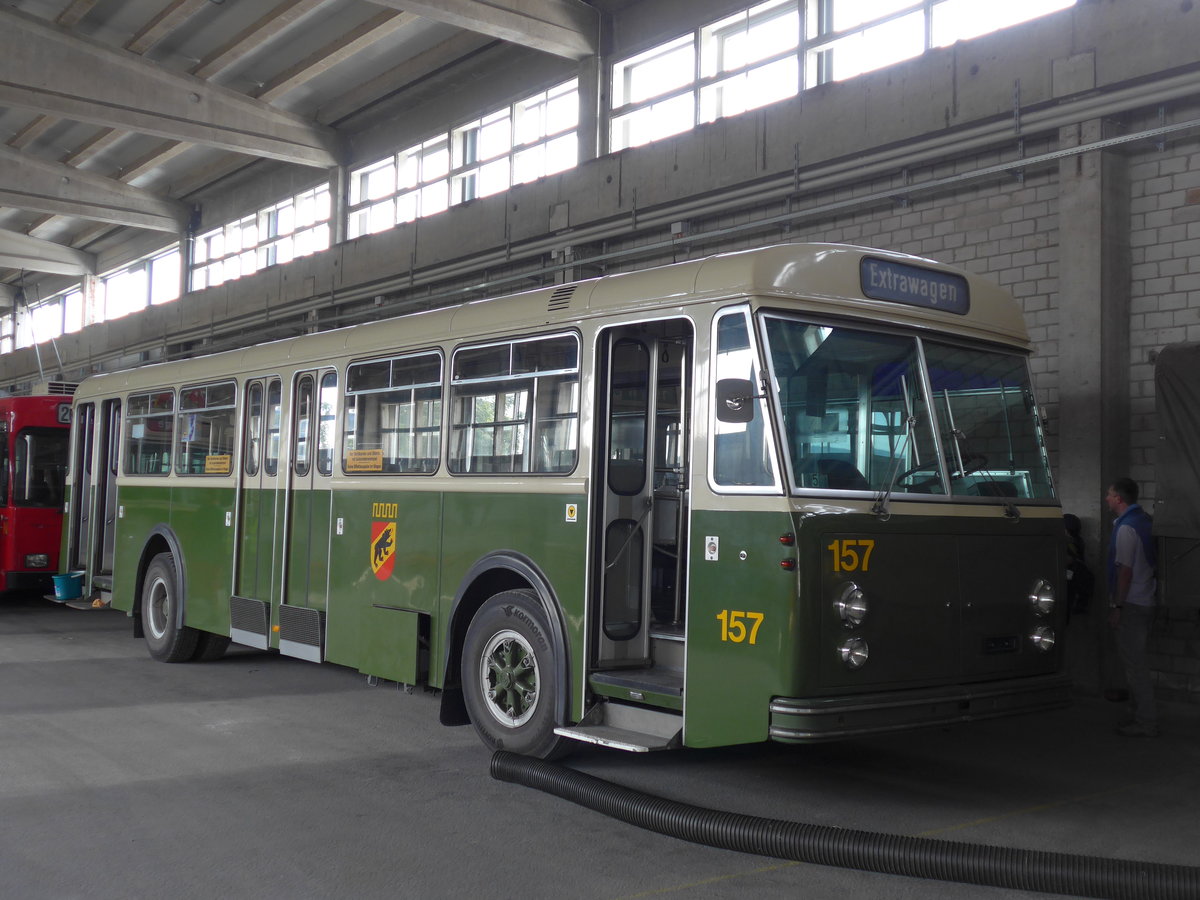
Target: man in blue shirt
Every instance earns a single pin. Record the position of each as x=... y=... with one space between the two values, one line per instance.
x=1131 y=594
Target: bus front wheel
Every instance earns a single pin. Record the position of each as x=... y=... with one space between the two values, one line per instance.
x=508 y=676
x=162 y=613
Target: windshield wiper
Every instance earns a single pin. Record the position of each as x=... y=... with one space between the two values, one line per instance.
x=969 y=462
x=880 y=507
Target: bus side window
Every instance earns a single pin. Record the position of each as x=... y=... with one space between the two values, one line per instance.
x=740 y=453
x=274 y=405
x=327 y=405
x=254 y=427
x=515 y=406
x=393 y=417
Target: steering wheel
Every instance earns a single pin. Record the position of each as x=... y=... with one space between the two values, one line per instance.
x=971 y=462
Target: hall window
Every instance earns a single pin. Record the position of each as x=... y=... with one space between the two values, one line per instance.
x=733 y=65
x=773 y=50
x=518 y=143
x=277 y=234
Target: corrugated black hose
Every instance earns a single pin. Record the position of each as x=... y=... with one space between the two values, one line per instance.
x=893 y=854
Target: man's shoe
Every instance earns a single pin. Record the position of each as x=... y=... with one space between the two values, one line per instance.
x=1137 y=729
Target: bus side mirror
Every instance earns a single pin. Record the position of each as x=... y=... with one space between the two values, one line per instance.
x=734 y=400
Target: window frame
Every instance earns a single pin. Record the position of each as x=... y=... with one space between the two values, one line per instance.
x=414 y=431
x=131 y=418
x=412 y=191
x=530 y=424
x=182 y=456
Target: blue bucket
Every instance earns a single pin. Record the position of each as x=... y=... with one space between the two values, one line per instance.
x=69 y=586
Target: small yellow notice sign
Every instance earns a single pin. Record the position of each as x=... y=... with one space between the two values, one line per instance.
x=364 y=461
x=218 y=464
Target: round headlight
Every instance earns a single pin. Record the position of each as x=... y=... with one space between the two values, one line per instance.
x=1041 y=598
x=851 y=605
x=854 y=652
x=1043 y=638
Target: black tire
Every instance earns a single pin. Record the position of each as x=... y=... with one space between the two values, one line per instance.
x=508 y=676
x=209 y=646
x=162 y=613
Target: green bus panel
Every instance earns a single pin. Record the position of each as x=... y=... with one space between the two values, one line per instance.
x=198 y=518
x=309 y=549
x=66 y=563
x=196 y=515
x=535 y=526
x=736 y=661
x=141 y=509
x=946 y=605
x=389 y=644
x=385 y=561
x=262 y=519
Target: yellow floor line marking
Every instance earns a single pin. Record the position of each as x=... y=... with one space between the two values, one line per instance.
x=716 y=879
x=1041 y=807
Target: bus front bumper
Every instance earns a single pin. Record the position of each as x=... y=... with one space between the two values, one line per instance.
x=20 y=582
x=809 y=720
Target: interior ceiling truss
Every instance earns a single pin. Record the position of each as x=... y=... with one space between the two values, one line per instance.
x=113 y=113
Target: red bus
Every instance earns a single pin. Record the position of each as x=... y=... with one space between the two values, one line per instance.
x=34 y=433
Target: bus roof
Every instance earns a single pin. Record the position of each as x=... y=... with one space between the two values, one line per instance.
x=824 y=278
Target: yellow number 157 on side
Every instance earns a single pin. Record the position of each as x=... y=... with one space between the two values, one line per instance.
x=738 y=626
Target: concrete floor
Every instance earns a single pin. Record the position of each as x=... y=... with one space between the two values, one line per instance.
x=266 y=777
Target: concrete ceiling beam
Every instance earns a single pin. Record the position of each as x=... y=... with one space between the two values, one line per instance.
x=567 y=28
x=27 y=182
x=91 y=82
x=20 y=251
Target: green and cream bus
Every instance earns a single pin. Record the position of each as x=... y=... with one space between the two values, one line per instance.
x=796 y=493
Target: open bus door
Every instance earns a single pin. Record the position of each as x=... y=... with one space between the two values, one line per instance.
x=92 y=518
x=639 y=569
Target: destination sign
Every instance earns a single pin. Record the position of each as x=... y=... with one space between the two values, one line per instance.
x=901 y=283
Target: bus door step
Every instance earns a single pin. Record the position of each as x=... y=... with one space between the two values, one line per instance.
x=633 y=728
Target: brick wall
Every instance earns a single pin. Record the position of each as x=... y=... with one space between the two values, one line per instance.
x=1165 y=309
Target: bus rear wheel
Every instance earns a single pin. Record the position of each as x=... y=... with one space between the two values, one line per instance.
x=210 y=647
x=167 y=639
x=508 y=676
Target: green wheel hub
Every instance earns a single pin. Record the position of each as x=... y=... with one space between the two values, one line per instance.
x=508 y=676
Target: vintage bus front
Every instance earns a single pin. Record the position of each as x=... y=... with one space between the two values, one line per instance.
x=915 y=577
x=33 y=462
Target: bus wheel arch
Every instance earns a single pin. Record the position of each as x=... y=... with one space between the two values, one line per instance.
x=491 y=577
x=160 y=600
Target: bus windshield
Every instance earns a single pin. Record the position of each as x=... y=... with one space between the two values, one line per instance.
x=39 y=471
x=856 y=415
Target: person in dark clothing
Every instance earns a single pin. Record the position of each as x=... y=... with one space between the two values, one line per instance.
x=1132 y=590
x=1080 y=581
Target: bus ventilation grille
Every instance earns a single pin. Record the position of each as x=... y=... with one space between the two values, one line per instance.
x=248 y=615
x=560 y=299
x=300 y=625
x=54 y=388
